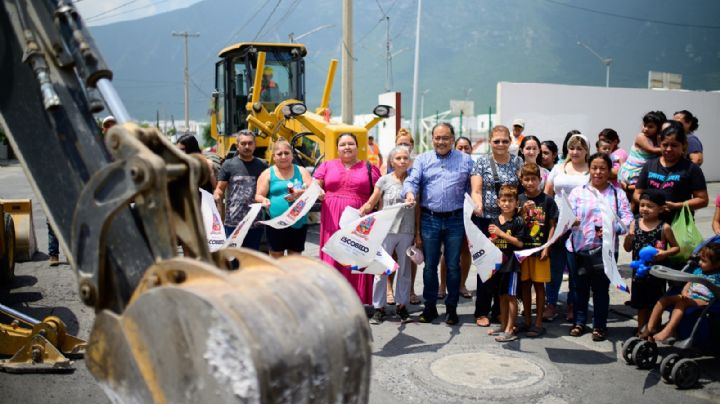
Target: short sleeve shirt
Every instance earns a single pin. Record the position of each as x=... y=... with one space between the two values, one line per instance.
x=242 y=178
x=507 y=175
x=694 y=144
x=515 y=228
x=391 y=190
x=537 y=220
x=562 y=181
x=677 y=183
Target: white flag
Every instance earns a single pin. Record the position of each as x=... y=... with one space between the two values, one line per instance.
x=357 y=242
x=566 y=218
x=609 y=218
x=382 y=265
x=297 y=210
x=212 y=221
x=486 y=257
x=238 y=235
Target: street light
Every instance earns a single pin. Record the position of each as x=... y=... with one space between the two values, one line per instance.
x=422 y=110
x=294 y=38
x=605 y=61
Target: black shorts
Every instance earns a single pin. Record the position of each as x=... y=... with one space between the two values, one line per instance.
x=290 y=239
x=645 y=292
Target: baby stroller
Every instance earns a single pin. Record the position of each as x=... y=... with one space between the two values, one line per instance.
x=697 y=334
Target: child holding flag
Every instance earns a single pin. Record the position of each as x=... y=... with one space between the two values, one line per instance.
x=540 y=214
x=507 y=233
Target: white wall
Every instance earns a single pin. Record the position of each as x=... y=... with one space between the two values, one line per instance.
x=551 y=110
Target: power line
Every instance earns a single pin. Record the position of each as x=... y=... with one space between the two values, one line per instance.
x=627 y=17
x=262 y=27
x=112 y=9
x=290 y=9
x=104 y=17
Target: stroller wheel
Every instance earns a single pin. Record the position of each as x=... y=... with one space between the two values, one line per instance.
x=666 y=367
x=645 y=354
x=627 y=349
x=685 y=373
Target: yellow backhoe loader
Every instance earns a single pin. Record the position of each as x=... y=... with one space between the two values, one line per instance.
x=168 y=329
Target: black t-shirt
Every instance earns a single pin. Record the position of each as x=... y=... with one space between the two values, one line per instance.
x=241 y=177
x=515 y=228
x=676 y=183
x=537 y=220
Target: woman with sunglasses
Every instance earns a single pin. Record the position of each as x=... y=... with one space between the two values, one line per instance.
x=491 y=171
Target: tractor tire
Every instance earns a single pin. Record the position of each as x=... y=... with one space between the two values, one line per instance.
x=7 y=261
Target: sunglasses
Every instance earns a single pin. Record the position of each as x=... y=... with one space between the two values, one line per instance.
x=501 y=142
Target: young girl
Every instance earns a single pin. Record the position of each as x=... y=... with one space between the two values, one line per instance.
x=399 y=238
x=530 y=152
x=649 y=230
x=692 y=295
x=617 y=155
x=507 y=233
x=643 y=149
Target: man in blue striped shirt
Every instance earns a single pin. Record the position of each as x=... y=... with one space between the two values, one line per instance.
x=441 y=177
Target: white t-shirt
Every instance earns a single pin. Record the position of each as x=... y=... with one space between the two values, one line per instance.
x=562 y=181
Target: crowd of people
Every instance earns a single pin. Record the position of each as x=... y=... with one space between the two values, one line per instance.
x=516 y=189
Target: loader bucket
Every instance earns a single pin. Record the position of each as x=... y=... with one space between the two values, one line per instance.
x=25 y=241
x=288 y=330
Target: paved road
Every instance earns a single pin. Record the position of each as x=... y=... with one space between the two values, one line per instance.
x=411 y=362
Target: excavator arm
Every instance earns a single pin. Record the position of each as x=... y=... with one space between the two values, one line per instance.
x=167 y=328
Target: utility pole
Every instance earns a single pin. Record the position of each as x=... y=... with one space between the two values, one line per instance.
x=347 y=64
x=388 y=55
x=413 y=118
x=185 y=35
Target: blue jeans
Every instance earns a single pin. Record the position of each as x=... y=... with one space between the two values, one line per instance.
x=252 y=239
x=53 y=245
x=450 y=232
x=558 y=262
x=600 y=286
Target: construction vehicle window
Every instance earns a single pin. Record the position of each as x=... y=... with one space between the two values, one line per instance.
x=220 y=101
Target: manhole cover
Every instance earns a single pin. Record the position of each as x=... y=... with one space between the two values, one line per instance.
x=480 y=370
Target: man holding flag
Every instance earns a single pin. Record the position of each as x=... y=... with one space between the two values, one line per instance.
x=441 y=177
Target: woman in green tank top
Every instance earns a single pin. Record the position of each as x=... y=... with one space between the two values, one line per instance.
x=277 y=188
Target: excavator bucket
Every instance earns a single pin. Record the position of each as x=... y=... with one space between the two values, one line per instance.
x=25 y=241
x=287 y=330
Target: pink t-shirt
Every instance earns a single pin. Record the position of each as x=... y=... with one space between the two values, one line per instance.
x=617 y=156
x=717 y=201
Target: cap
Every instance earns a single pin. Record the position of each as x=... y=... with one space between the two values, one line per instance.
x=268 y=70
x=107 y=119
x=519 y=122
x=653 y=196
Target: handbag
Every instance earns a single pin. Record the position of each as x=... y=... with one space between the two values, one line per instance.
x=589 y=261
x=686 y=234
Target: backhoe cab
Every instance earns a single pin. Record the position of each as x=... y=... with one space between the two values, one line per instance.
x=278 y=109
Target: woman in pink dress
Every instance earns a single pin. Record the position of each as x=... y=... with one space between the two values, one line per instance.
x=347 y=181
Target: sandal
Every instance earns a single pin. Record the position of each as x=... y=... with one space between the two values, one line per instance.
x=506 y=337
x=414 y=299
x=577 y=330
x=441 y=295
x=466 y=293
x=495 y=331
x=482 y=321
x=535 y=332
x=599 y=334
x=522 y=328
x=550 y=313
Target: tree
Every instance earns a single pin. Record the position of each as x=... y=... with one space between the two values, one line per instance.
x=207 y=139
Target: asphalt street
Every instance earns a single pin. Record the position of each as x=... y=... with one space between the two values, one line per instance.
x=411 y=362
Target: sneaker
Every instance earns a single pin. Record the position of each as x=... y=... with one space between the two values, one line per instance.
x=429 y=314
x=378 y=317
x=403 y=313
x=451 y=317
x=54 y=261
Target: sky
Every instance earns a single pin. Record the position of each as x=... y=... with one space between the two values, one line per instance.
x=101 y=12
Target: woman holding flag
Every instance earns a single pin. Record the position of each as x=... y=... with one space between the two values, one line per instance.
x=587 y=246
x=277 y=188
x=347 y=181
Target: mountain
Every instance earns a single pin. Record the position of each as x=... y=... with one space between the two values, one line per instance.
x=467 y=46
